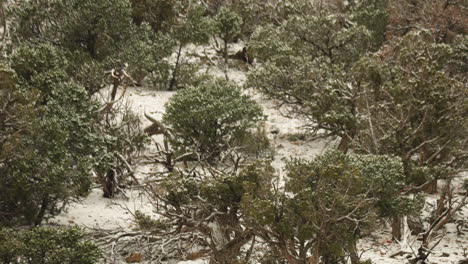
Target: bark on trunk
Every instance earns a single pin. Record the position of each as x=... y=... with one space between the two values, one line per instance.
x=315 y=258
x=108 y=184
x=226 y=59
x=396 y=228
x=353 y=253
x=226 y=248
x=286 y=255
x=229 y=253
x=40 y=215
x=176 y=67
x=225 y=52
x=114 y=89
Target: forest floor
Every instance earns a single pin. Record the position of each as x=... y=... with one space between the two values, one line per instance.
x=96 y=212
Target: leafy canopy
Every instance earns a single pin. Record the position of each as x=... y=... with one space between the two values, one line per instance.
x=205 y=119
x=325 y=204
x=308 y=58
x=50 y=141
x=411 y=106
x=46 y=245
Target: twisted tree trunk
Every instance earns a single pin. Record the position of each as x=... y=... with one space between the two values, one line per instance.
x=228 y=238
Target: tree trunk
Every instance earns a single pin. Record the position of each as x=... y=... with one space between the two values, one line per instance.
x=353 y=253
x=115 y=88
x=396 y=228
x=176 y=67
x=228 y=253
x=225 y=51
x=225 y=58
x=108 y=184
x=226 y=249
x=315 y=258
x=285 y=253
x=40 y=215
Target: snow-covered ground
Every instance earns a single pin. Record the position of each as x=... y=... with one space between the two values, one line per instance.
x=98 y=212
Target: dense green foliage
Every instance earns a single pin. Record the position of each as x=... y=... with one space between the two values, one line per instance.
x=89 y=40
x=387 y=79
x=227 y=26
x=307 y=61
x=372 y=15
x=123 y=140
x=46 y=245
x=422 y=117
x=326 y=204
x=49 y=139
x=395 y=101
x=209 y=202
x=206 y=119
x=141 y=34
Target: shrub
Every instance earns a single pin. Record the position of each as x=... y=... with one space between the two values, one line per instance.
x=124 y=140
x=227 y=26
x=420 y=118
x=46 y=245
x=206 y=119
x=307 y=60
x=49 y=140
x=93 y=35
x=211 y=202
x=326 y=204
x=255 y=143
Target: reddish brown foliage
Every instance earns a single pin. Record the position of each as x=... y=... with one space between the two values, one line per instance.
x=445 y=18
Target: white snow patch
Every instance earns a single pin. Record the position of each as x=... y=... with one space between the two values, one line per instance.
x=98 y=212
